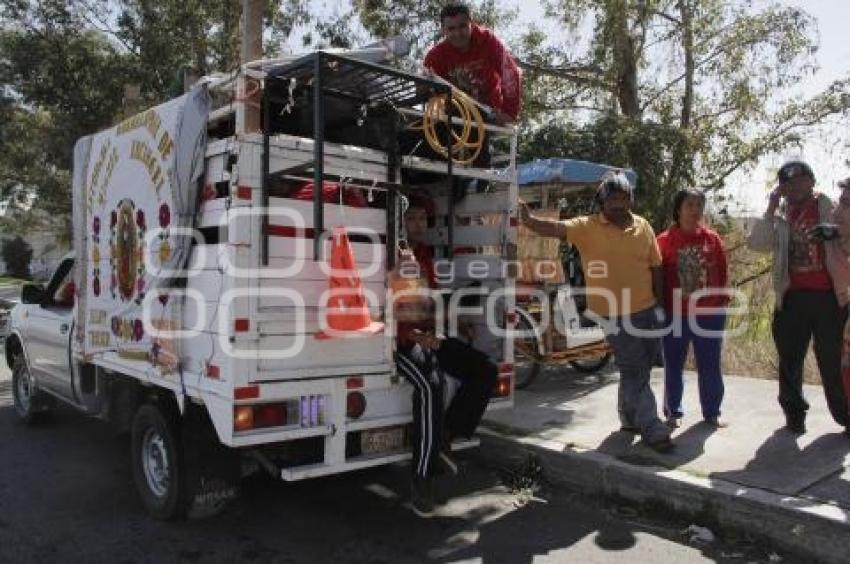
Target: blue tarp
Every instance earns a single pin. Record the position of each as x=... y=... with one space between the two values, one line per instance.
x=567 y=170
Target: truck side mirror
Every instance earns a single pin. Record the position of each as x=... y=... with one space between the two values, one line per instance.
x=32 y=294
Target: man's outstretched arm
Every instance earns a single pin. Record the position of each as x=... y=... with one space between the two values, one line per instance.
x=544 y=227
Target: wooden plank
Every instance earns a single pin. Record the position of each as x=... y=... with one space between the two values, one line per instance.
x=288 y=152
x=215 y=170
x=311 y=292
x=497 y=201
x=478 y=267
x=506 y=176
x=366 y=255
x=338 y=354
x=357 y=219
x=213 y=213
x=473 y=236
x=305 y=144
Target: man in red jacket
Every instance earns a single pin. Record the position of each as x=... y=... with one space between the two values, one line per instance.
x=473 y=59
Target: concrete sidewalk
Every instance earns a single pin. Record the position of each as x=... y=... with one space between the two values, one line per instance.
x=753 y=475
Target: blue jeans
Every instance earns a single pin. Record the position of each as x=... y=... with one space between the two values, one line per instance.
x=633 y=355
x=707 y=353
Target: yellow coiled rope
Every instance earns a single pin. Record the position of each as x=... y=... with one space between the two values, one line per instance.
x=468 y=143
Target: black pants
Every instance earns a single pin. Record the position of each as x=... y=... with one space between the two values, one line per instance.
x=420 y=368
x=808 y=314
x=477 y=375
x=425 y=369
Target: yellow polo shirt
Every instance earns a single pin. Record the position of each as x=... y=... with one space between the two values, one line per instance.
x=616 y=260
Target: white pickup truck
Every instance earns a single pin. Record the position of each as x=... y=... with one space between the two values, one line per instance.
x=188 y=312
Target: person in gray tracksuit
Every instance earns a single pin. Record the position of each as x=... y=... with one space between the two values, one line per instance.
x=806 y=307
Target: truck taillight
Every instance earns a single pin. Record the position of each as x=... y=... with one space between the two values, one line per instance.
x=266 y=415
x=243 y=418
x=503 y=387
x=270 y=415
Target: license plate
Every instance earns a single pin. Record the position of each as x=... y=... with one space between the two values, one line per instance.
x=378 y=441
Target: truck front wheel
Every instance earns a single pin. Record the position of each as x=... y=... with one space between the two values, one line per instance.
x=158 y=467
x=29 y=401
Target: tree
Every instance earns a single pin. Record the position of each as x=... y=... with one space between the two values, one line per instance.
x=17 y=255
x=64 y=66
x=706 y=79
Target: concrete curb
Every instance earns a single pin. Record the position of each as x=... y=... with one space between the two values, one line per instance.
x=794 y=524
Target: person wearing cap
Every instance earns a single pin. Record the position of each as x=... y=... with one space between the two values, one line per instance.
x=806 y=306
x=624 y=286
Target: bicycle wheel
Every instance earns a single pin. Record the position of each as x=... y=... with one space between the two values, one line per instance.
x=526 y=346
x=591 y=365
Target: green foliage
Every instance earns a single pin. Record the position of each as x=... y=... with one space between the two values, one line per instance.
x=17 y=255
x=616 y=140
x=707 y=81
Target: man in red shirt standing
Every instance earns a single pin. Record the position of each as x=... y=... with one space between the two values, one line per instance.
x=474 y=60
x=806 y=305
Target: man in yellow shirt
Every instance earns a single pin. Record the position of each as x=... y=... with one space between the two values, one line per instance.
x=624 y=281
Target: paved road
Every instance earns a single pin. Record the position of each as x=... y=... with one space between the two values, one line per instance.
x=66 y=495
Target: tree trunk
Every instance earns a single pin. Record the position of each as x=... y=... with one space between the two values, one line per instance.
x=686 y=15
x=625 y=62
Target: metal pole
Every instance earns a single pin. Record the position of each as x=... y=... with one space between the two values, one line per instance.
x=449 y=172
x=392 y=195
x=265 y=180
x=318 y=156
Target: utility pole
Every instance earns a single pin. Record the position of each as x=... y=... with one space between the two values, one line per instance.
x=248 y=89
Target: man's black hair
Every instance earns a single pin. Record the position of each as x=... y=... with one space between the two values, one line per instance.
x=453 y=9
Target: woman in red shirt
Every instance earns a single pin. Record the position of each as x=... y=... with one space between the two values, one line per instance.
x=696 y=282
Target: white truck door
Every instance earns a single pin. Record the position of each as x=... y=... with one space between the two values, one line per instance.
x=49 y=330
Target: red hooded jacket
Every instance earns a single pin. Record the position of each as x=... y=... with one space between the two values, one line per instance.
x=486 y=71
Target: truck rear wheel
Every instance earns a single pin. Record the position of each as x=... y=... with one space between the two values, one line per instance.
x=30 y=402
x=158 y=467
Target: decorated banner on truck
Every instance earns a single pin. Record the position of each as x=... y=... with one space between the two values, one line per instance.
x=135 y=198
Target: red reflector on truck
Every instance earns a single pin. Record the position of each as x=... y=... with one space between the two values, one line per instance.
x=506 y=368
x=242 y=325
x=355 y=405
x=213 y=372
x=247 y=392
x=243 y=192
x=354 y=383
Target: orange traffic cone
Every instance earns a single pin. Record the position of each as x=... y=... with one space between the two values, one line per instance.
x=347 y=312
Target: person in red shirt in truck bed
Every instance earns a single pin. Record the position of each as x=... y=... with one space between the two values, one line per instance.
x=474 y=60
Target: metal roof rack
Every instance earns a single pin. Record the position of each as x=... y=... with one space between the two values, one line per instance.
x=331 y=74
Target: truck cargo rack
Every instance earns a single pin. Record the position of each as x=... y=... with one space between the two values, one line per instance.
x=366 y=83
